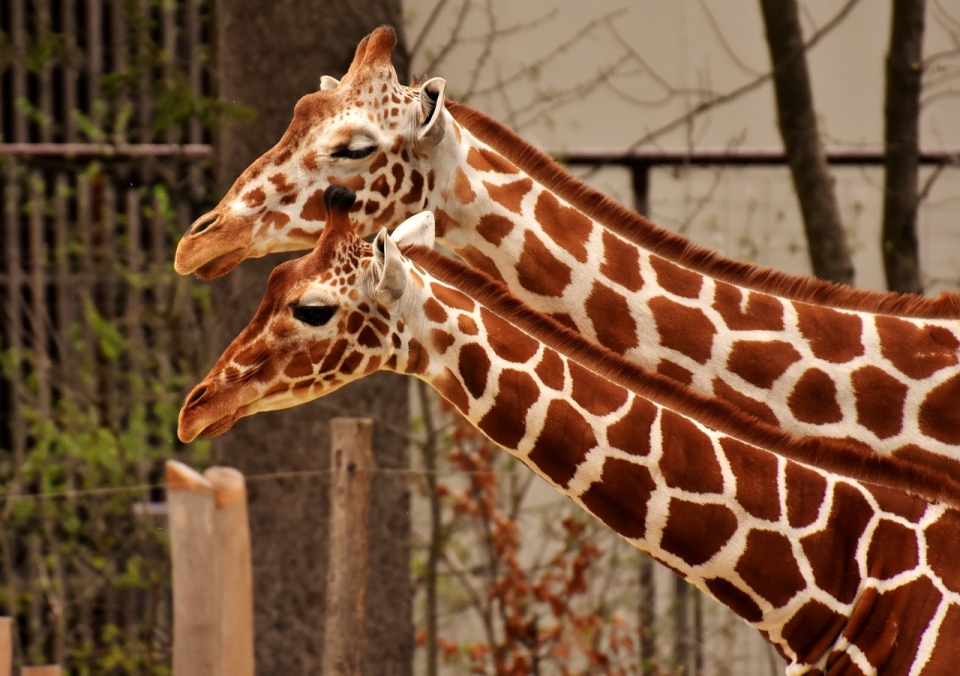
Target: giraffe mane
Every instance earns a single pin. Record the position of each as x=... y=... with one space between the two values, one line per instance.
x=639 y=230
x=837 y=455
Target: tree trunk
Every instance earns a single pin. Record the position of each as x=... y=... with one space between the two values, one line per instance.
x=902 y=147
x=269 y=54
x=829 y=253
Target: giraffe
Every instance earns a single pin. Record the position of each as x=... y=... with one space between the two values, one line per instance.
x=840 y=576
x=878 y=370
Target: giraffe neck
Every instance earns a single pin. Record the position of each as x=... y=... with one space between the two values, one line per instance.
x=883 y=382
x=811 y=559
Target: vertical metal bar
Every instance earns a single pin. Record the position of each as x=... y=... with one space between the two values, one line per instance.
x=168 y=20
x=143 y=42
x=21 y=132
x=94 y=59
x=70 y=72
x=38 y=287
x=640 y=179
x=42 y=14
x=194 y=49
x=121 y=62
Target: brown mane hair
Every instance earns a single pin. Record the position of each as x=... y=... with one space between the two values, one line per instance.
x=637 y=229
x=835 y=455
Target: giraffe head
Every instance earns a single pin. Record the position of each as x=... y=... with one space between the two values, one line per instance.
x=366 y=132
x=328 y=318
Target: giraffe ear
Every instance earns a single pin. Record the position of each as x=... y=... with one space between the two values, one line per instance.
x=392 y=279
x=431 y=110
x=327 y=83
x=417 y=230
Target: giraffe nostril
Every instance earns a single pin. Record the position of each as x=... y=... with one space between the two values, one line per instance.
x=203 y=223
x=198 y=395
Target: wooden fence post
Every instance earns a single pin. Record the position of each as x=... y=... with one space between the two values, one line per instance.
x=45 y=670
x=351 y=462
x=6 y=646
x=235 y=576
x=190 y=507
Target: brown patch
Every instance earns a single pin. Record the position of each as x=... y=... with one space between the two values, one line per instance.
x=806 y=490
x=466 y=325
x=832 y=552
x=897 y=502
x=494 y=227
x=474 y=367
x=920 y=456
x=334 y=356
x=770 y=568
x=483 y=159
x=481 y=261
x=593 y=393
x=756 y=475
x=735 y=599
x=351 y=363
x=382 y=327
x=462 y=189
x=385 y=217
x=418 y=359
x=276 y=219
x=371 y=207
x=434 y=311
x=916 y=351
x=761 y=362
x=762 y=312
x=354 y=322
x=946 y=651
x=565 y=225
x=313 y=208
x=566 y=320
x=612 y=321
x=621 y=262
x=550 y=370
x=301 y=366
x=563 y=443
x=943 y=543
x=631 y=433
x=675 y=371
x=833 y=336
x=890 y=632
x=879 y=399
x=620 y=498
x=696 y=532
x=675 y=279
x=398 y=173
x=506 y=421
x=539 y=271
x=441 y=340
x=379 y=162
x=814 y=399
x=310 y=161
x=812 y=630
x=380 y=185
x=684 y=329
x=509 y=195
x=280 y=183
x=415 y=194
x=507 y=341
x=452 y=298
x=746 y=404
x=254 y=198
x=689 y=461
x=940 y=414
x=893 y=550
x=355 y=183
x=369 y=338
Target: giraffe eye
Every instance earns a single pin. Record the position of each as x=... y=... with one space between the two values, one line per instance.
x=353 y=153
x=314 y=315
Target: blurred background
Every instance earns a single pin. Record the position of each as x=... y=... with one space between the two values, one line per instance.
x=123 y=120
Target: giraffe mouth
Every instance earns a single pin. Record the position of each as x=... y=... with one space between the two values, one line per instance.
x=220 y=265
x=219 y=427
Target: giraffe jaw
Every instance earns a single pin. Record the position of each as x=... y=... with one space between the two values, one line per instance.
x=220 y=265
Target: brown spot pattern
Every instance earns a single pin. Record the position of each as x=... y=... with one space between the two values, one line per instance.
x=450 y=389
x=689 y=461
x=620 y=498
x=507 y=341
x=564 y=225
x=746 y=404
x=893 y=549
x=879 y=400
x=474 y=367
x=777 y=583
x=611 y=318
x=313 y=209
x=483 y=159
x=441 y=340
x=509 y=195
x=812 y=630
x=675 y=279
x=806 y=490
x=940 y=412
x=550 y=370
x=254 y=198
x=563 y=443
x=494 y=227
x=761 y=362
x=737 y=600
x=505 y=423
x=539 y=271
x=946 y=651
x=756 y=476
x=697 y=532
x=814 y=399
x=369 y=338
x=480 y=260
x=684 y=329
x=674 y=371
x=916 y=351
x=466 y=325
x=631 y=433
x=621 y=262
x=833 y=336
x=943 y=543
x=452 y=298
x=434 y=311
x=593 y=393
x=762 y=312
x=462 y=188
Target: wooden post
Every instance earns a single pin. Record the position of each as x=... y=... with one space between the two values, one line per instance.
x=235 y=577
x=351 y=462
x=190 y=505
x=6 y=646
x=45 y=670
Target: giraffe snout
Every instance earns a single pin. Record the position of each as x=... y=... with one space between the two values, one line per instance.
x=200 y=394
x=203 y=223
